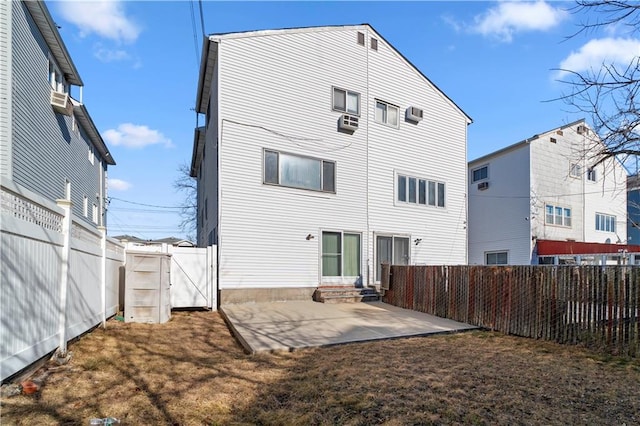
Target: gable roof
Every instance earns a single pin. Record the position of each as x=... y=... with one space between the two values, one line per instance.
x=49 y=30
x=209 y=57
x=524 y=142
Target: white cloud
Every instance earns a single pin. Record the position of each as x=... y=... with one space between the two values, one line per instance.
x=118 y=184
x=135 y=136
x=508 y=18
x=105 y=18
x=110 y=55
x=597 y=52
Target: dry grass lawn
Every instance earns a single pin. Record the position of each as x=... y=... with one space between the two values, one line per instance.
x=190 y=371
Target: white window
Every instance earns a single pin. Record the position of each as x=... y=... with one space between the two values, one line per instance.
x=480 y=173
x=56 y=78
x=85 y=206
x=575 y=170
x=341 y=254
x=591 y=174
x=95 y=213
x=413 y=190
x=605 y=222
x=496 y=258
x=346 y=101
x=299 y=172
x=556 y=215
x=386 y=113
x=91 y=155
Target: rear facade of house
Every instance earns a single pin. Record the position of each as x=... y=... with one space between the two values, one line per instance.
x=548 y=188
x=50 y=145
x=324 y=153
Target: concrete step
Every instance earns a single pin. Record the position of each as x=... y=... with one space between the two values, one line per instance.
x=345 y=294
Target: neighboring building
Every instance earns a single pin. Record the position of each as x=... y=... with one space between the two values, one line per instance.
x=531 y=202
x=170 y=241
x=49 y=145
x=633 y=209
x=324 y=153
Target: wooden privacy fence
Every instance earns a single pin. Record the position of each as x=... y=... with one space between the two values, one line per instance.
x=593 y=305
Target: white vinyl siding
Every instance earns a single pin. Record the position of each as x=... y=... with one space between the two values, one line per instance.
x=270 y=235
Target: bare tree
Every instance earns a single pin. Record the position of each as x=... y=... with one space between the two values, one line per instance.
x=188 y=186
x=609 y=95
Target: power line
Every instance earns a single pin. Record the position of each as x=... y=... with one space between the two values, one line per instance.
x=201 y=19
x=146 y=205
x=195 y=36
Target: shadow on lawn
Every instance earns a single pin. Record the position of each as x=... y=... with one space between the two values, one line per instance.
x=191 y=371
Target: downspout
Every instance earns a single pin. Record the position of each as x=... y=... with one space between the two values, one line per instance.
x=66 y=205
x=370 y=242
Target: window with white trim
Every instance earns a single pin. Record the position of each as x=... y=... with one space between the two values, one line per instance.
x=557 y=215
x=91 y=155
x=605 y=222
x=480 y=173
x=591 y=174
x=413 y=190
x=496 y=258
x=94 y=215
x=386 y=113
x=341 y=254
x=299 y=172
x=85 y=206
x=575 y=170
x=56 y=78
x=346 y=101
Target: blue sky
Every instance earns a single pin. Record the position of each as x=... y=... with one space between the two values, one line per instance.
x=139 y=62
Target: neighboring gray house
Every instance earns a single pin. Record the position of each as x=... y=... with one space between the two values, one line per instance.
x=48 y=143
x=325 y=153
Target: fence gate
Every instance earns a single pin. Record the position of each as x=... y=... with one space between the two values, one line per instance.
x=193 y=281
x=193 y=277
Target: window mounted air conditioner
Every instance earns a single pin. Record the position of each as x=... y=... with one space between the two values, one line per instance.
x=414 y=114
x=348 y=122
x=483 y=185
x=61 y=103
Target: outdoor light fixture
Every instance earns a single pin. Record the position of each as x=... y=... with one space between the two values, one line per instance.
x=417 y=241
x=310 y=237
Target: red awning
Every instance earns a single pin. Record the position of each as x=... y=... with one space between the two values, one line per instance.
x=554 y=248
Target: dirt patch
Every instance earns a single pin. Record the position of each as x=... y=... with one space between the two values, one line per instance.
x=191 y=371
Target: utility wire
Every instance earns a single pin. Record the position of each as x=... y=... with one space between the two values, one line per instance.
x=202 y=19
x=146 y=205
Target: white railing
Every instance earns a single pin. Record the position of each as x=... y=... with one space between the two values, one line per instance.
x=53 y=288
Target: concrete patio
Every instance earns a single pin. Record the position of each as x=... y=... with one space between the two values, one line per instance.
x=278 y=326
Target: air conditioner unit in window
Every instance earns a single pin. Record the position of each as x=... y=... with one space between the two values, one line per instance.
x=414 y=114
x=582 y=129
x=348 y=122
x=483 y=185
x=61 y=103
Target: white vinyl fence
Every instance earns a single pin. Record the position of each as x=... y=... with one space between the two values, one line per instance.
x=59 y=277
x=193 y=274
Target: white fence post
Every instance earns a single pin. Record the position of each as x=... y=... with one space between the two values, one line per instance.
x=103 y=273
x=65 y=204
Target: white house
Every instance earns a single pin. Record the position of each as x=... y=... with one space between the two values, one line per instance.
x=324 y=153
x=544 y=199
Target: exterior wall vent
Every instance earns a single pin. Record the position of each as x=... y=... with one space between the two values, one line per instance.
x=582 y=129
x=483 y=185
x=348 y=122
x=374 y=44
x=360 y=38
x=414 y=114
x=61 y=103
x=553 y=140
